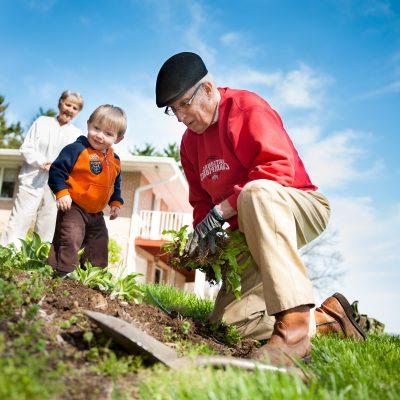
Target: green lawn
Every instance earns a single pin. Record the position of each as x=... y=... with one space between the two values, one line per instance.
x=33 y=366
x=341 y=369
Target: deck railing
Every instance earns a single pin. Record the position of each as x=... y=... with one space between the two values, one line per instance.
x=152 y=223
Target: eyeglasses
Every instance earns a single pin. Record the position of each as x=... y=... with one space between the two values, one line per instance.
x=171 y=111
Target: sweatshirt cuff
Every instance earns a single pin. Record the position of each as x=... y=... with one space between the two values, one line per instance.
x=232 y=199
x=115 y=203
x=61 y=193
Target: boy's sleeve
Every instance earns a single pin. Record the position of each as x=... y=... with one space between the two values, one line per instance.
x=116 y=198
x=62 y=167
x=29 y=148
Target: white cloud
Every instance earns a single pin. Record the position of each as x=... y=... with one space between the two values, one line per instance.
x=193 y=33
x=230 y=38
x=333 y=161
x=369 y=239
x=43 y=92
x=393 y=87
x=246 y=77
x=301 y=88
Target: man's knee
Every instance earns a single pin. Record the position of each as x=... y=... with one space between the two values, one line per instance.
x=258 y=189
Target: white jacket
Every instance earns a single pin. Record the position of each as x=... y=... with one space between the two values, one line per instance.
x=43 y=142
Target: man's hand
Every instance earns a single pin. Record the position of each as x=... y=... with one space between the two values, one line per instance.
x=46 y=166
x=64 y=203
x=114 y=211
x=205 y=232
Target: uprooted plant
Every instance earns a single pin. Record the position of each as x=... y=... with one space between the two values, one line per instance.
x=223 y=265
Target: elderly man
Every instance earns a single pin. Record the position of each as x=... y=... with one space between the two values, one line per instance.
x=242 y=168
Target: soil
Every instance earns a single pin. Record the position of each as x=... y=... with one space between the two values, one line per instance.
x=69 y=298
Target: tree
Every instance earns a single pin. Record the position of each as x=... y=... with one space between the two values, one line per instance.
x=11 y=135
x=323 y=261
x=172 y=150
x=147 y=150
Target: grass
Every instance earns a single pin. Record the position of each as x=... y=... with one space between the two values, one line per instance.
x=341 y=369
x=171 y=298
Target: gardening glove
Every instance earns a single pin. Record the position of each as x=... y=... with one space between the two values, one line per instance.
x=205 y=233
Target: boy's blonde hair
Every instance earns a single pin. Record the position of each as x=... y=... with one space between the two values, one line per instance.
x=109 y=116
x=68 y=93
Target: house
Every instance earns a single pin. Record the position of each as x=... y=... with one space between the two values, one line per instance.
x=156 y=198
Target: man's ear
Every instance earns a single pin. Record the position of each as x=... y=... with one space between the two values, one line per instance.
x=119 y=138
x=207 y=86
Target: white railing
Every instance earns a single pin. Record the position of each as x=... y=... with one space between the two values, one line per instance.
x=152 y=223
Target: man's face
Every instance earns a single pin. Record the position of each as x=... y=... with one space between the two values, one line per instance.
x=100 y=137
x=199 y=114
x=69 y=108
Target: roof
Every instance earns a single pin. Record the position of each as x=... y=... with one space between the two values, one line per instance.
x=174 y=193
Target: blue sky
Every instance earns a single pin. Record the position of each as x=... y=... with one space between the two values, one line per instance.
x=331 y=68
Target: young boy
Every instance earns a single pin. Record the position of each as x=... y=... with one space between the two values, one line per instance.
x=84 y=178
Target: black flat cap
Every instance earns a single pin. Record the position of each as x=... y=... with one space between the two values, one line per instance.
x=177 y=75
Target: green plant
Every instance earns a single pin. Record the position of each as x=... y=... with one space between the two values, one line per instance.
x=93 y=277
x=67 y=324
x=185 y=327
x=169 y=334
x=128 y=289
x=223 y=265
x=114 y=252
x=190 y=349
x=34 y=251
x=110 y=364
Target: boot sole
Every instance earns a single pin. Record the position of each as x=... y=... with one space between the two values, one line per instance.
x=349 y=312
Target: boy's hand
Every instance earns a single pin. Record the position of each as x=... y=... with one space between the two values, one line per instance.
x=114 y=211
x=64 y=203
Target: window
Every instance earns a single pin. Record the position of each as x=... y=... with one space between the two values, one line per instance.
x=8 y=177
x=158 y=274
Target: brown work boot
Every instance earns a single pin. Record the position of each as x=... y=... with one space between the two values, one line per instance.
x=335 y=316
x=290 y=339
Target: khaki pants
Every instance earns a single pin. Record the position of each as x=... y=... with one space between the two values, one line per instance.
x=276 y=221
x=28 y=205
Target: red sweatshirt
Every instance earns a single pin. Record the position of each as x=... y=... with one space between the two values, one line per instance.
x=247 y=143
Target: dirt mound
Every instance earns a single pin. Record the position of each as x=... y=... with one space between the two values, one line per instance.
x=70 y=297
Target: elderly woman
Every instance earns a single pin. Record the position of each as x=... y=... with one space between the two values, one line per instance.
x=43 y=142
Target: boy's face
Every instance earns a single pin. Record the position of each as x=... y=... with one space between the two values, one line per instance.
x=101 y=138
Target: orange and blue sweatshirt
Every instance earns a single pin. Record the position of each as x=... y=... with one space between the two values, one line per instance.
x=92 y=178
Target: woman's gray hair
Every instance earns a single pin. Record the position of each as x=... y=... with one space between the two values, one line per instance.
x=68 y=93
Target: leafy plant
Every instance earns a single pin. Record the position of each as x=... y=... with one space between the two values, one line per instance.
x=114 y=252
x=128 y=289
x=223 y=265
x=32 y=255
x=185 y=327
x=67 y=324
x=34 y=251
x=93 y=277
